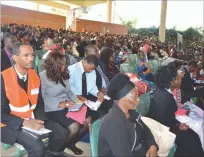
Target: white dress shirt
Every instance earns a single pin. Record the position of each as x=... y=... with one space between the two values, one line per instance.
x=21 y=76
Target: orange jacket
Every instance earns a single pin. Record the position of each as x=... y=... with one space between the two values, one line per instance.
x=18 y=98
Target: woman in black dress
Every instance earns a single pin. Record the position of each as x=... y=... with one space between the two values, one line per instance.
x=163 y=107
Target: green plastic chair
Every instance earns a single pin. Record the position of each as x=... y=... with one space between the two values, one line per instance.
x=40 y=53
x=20 y=151
x=94 y=135
x=172 y=151
x=132 y=59
x=35 y=64
x=144 y=104
x=124 y=68
x=195 y=100
x=154 y=65
x=38 y=64
x=41 y=65
x=6 y=146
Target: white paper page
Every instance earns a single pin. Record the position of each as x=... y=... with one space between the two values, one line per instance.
x=40 y=132
x=106 y=97
x=93 y=105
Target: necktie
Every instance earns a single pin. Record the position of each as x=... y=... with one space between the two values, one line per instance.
x=84 y=86
x=23 y=78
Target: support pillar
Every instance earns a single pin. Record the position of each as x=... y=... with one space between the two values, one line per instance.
x=162 y=28
x=67 y=18
x=109 y=10
x=38 y=6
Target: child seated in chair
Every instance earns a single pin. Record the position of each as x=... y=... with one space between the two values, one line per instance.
x=144 y=69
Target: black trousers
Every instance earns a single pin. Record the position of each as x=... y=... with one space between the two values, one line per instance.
x=36 y=148
x=188 y=144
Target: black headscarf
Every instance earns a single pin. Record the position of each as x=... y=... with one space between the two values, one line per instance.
x=120 y=85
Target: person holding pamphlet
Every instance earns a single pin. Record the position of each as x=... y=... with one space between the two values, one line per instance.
x=59 y=99
x=22 y=106
x=163 y=107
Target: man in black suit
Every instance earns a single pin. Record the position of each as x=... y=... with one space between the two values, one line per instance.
x=13 y=112
x=6 y=55
x=188 y=86
x=35 y=41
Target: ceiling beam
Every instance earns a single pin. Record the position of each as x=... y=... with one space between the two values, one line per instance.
x=85 y=2
x=51 y=4
x=93 y=2
x=75 y=2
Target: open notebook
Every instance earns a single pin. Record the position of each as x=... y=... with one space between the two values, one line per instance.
x=39 y=132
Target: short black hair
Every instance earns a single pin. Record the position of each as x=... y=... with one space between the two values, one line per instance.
x=16 y=47
x=193 y=64
x=93 y=42
x=177 y=63
x=11 y=24
x=105 y=54
x=165 y=75
x=24 y=34
x=90 y=49
x=91 y=59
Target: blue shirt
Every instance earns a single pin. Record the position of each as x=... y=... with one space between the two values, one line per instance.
x=140 y=70
x=75 y=71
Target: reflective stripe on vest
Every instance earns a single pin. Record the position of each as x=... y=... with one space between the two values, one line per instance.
x=18 y=98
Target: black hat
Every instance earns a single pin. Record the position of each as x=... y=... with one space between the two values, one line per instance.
x=120 y=85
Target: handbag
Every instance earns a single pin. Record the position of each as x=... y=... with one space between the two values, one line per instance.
x=163 y=137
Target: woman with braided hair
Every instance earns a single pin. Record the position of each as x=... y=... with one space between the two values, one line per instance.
x=163 y=107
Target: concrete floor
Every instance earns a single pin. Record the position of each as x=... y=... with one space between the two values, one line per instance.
x=84 y=146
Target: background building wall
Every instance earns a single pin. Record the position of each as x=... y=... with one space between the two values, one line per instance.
x=23 y=16
x=96 y=26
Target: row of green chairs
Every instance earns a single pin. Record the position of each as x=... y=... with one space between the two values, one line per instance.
x=133 y=59
x=38 y=63
x=142 y=108
x=20 y=150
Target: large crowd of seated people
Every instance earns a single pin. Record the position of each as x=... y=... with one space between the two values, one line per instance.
x=85 y=66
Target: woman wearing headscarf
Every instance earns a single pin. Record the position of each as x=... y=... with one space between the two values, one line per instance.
x=163 y=107
x=122 y=132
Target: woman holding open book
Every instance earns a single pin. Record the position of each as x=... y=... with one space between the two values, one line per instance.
x=58 y=98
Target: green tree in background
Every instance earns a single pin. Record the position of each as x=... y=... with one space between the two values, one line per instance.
x=191 y=36
x=131 y=24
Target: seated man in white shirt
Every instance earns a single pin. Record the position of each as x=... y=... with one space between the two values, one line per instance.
x=102 y=81
x=83 y=82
